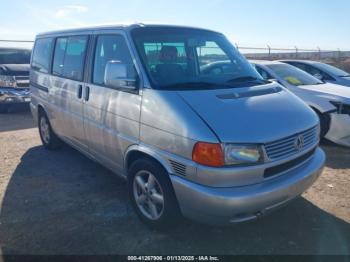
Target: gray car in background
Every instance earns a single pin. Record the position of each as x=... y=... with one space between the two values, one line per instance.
x=322 y=71
x=215 y=146
x=14 y=77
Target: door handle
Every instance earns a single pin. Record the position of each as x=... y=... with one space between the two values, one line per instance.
x=87 y=93
x=80 y=91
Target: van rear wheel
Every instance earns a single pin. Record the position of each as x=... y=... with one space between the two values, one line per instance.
x=47 y=136
x=152 y=194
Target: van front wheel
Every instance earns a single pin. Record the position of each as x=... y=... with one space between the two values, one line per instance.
x=48 y=137
x=152 y=194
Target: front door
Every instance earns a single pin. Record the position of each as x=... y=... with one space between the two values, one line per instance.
x=111 y=115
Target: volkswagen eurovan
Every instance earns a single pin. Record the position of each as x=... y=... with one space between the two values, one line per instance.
x=219 y=145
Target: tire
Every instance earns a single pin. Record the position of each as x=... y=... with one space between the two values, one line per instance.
x=149 y=207
x=324 y=123
x=47 y=136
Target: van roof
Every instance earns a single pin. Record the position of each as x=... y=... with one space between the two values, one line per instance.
x=126 y=27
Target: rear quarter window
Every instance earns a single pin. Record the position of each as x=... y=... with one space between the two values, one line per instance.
x=42 y=54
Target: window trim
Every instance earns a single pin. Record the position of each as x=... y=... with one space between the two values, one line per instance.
x=92 y=64
x=88 y=38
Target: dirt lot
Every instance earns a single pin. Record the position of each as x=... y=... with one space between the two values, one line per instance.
x=63 y=203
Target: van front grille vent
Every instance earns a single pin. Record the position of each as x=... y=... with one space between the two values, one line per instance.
x=179 y=169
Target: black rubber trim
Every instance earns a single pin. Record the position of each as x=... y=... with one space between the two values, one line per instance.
x=43 y=88
x=272 y=171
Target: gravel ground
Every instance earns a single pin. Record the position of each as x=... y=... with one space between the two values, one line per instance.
x=63 y=203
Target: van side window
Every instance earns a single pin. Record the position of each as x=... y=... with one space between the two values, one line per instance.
x=69 y=57
x=60 y=49
x=110 y=48
x=42 y=54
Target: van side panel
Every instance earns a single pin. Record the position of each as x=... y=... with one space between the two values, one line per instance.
x=40 y=81
x=40 y=84
x=111 y=124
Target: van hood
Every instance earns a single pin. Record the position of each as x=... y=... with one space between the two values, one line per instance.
x=256 y=114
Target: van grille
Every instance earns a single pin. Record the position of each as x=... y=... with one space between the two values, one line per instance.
x=178 y=168
x=288 y=146
x=272 y=171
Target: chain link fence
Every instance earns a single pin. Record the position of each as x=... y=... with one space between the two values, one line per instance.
x=339 y=58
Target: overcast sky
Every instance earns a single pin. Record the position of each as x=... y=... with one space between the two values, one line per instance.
x=278 y=23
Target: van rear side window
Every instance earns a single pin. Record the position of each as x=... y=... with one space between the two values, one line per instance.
x=41 y=55
x=69 y=57
x=60 y=49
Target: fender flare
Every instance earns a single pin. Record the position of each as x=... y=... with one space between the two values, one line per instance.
x=149 y=152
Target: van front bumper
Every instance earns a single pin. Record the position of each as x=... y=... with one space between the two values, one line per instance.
x=237 y=204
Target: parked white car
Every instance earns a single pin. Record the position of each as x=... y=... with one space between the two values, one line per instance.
x=330 y=101
x=322 y=71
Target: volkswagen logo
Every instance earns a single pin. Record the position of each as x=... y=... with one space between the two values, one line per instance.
x=299 y=143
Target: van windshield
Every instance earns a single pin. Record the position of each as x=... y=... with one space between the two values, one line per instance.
x=182 y=58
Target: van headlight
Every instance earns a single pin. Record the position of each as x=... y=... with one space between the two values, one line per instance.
x=242 y=154
x=220 y=155
x=7 y=81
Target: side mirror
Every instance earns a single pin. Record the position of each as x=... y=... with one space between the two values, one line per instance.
x=116 y=75
x=274 y=80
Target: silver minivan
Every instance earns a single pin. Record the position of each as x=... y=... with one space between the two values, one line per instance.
x=211 y=141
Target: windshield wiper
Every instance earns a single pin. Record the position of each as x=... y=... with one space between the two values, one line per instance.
x=243 y=79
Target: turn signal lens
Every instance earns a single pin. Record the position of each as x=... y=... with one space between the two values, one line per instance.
x=208 y=154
